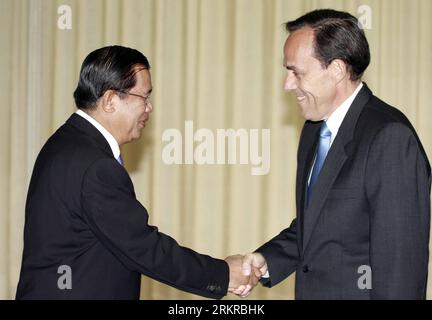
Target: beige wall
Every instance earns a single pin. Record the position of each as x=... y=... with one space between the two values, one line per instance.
x=215 y=62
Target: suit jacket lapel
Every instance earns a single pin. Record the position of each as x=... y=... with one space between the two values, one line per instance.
x=338 y=154
x=306 y=153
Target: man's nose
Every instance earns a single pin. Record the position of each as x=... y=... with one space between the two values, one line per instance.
x=290 y=81
x=149 y=107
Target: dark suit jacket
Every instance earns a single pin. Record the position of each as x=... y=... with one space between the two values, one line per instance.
x=82 y=212
x=370 y=207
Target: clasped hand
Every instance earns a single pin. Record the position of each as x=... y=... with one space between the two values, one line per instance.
x=245 y=272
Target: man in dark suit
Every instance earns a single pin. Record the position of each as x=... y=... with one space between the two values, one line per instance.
x=363 y=179
x=86 y=236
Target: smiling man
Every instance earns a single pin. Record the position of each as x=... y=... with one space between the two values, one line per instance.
x=86 y=236
x=363 y=179
x=319 y=91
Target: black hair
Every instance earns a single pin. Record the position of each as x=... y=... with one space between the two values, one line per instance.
x=337 y=35
x=107 y=68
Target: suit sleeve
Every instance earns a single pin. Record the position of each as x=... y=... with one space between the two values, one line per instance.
x=281 y=254
x=120 y=222
x=398 y=190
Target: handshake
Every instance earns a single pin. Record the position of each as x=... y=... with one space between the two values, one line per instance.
x=245 y=272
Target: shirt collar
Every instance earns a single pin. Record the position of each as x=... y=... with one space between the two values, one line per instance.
x=108 y=136
x=335 y=120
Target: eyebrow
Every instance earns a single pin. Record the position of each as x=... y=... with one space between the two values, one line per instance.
x=293 y=68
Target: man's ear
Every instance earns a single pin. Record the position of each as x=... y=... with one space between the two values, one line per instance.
x=338 y=69
x=108 y=101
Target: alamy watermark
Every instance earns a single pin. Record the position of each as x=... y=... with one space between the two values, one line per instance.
x=365 y=17
x=225 y=146
x=64 y=282
x=365 y=280
x=64 y=21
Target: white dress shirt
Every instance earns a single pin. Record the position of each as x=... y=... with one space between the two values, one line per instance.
x=108 y=136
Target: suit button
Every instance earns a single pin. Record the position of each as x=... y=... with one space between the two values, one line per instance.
x=305 y=268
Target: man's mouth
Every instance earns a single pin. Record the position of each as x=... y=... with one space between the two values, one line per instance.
x=300 y=98
x=142 y=123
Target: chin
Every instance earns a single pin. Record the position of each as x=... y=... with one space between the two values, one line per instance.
x=133 y=138
x=307 y=116
x=137 y=135
x=311 y=117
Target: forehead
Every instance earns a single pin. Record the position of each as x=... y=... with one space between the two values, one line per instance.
x=299 y=45
x=143 y=79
